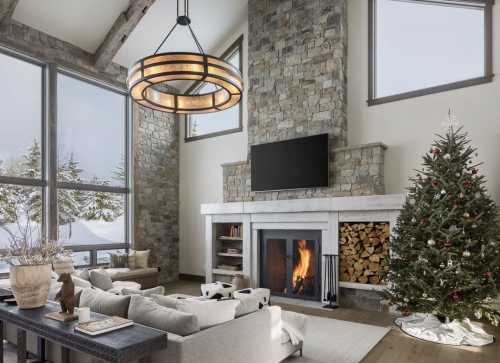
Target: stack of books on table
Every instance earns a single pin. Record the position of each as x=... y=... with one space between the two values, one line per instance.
x=231 y=267
x=103 y=326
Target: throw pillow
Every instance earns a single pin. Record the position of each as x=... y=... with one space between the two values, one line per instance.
x=251 y=300
x=159 y=290
x=217 y=290
x=131 y=259
x=80 y=282
x=149 y=313
x=141 y=259
x=101 y=279
x=166 y=301
x=83 y=274
x=209 y=312
x=118 y=260
x=105 y=303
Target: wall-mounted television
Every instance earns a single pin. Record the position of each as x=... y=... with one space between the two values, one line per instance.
x=291 y=164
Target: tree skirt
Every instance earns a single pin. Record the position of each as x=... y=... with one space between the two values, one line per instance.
x=428 y=327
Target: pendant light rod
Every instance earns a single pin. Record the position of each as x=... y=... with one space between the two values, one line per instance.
x=183 y=20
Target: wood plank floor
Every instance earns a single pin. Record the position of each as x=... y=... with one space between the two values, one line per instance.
x=395 y=347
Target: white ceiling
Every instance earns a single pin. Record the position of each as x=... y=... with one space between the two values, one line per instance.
x=211 y=20
x=81 y=23
x=86 y=23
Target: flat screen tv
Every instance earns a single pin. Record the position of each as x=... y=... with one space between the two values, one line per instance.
x=291 y=164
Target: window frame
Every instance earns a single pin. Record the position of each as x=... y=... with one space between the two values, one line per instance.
x=49 y=159
x=237 y=45
x=372 y=52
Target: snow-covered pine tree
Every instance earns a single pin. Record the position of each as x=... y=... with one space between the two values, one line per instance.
x=102 y=206
x=32 y=168
x=7 y=206
x=120 y=173
x=70 y=202
x=445 y=253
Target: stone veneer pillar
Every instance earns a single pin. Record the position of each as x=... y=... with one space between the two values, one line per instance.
x=156 y=186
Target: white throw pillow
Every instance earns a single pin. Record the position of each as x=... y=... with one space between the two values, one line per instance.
x=83 y=274
x=223 y=289
x=209 y=312
x=80 y=282
x=159 y=290
x=251 y=300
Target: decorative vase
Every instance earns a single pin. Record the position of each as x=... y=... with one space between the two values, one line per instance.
x=30 y=285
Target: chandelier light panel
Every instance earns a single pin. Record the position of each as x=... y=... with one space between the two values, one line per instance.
x=146 y=77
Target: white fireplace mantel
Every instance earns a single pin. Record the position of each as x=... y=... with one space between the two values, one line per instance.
x=322 y=214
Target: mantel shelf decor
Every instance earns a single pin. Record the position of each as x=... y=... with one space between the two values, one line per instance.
x=147 y=75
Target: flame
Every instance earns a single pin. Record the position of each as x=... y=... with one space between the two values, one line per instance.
x=303 y=263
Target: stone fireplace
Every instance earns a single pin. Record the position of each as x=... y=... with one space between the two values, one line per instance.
x=290 y=263
x=274 y=233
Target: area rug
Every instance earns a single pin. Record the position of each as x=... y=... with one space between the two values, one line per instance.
x=337 y=341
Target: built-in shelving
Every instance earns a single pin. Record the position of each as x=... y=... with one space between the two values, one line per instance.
x=227 y=251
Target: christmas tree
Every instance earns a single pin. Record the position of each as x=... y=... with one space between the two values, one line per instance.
x=445 y=254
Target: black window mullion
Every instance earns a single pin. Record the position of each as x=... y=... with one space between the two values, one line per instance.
x=52 y=154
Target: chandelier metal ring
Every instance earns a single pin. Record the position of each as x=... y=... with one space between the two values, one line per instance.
x=147 y=75
x=154 y=70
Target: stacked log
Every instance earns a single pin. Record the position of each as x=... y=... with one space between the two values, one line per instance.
x=363 y=249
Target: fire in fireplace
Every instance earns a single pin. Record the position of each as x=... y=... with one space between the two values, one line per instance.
x=290 y=263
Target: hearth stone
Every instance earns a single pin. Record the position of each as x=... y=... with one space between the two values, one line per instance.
x=370 y=300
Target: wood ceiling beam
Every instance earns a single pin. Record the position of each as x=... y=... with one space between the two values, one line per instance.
x=7 y=8
x=119 y=32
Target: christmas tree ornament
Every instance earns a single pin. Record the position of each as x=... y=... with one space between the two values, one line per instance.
x=443 y=191
x=441 y=282
x=435 y=183
x=447 y=156
x=466 y=254
x=474 y=226
x=431 y=242
x=466 y=215
x=424 y=295
x=448 y=243
x=455 y=296
x=406 y=300
x=458 y=175
x=488 y=274
x=435 y=151
x=453 y=228
x=450 y=263
x=413 y=220
x=477 y=195
x=442 y=265
x=461 y=195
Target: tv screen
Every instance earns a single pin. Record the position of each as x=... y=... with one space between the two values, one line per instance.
x=291 y=164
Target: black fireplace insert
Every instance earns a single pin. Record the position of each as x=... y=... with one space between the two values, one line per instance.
x=290 y=263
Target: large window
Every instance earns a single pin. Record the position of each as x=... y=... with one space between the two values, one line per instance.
x=420 y=47
x=218 y=123
x=62 y=177
x=22 y=176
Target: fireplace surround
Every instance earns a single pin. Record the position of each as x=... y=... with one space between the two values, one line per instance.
x=323 y=215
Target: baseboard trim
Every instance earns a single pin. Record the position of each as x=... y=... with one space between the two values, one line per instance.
x=189 y=277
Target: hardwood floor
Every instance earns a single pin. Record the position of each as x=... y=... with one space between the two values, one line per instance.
x=395 y=347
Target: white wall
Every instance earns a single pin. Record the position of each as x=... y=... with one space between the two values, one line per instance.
x=201 y=175
x=408 y=127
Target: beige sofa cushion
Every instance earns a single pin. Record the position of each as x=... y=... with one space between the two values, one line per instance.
x=159 y=290
x=209 y=312
x=149 y=313
x=141 y=259
x=105 y=303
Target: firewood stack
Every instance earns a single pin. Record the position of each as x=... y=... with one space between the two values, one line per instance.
x=363 y=248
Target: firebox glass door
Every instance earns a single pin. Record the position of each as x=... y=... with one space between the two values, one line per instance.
x=276 y=265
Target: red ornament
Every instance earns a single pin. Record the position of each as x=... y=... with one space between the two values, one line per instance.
x=467 y=184
x=448 y=243
x=488 y=274
x=455 y=296
x=436 y=151
x=435 y=183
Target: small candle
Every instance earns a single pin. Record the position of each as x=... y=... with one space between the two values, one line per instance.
x=83 y=314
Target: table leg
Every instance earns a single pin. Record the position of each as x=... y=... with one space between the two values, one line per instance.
x=21 y=346
x=40 y=350
x=65 y=355
x=1 y=341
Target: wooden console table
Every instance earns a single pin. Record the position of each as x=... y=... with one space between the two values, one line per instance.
x=137 y=342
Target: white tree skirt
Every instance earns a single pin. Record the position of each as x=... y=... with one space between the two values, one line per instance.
x=428 y=327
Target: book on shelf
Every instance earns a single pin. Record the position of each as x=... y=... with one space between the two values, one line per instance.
x=234 y=251
x=235 y=232
x=229 y=267
x=103 y=326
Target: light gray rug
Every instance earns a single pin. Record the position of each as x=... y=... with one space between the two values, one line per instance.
x=337 y=341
